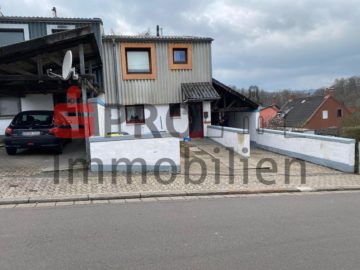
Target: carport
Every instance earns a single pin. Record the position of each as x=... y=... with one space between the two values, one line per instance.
x=224 y=110
x=24 y=66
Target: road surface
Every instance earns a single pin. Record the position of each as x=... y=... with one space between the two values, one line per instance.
x=283 y=232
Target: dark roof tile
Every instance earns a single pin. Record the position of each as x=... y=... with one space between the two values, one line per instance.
x=298 y=111
x=199 y=91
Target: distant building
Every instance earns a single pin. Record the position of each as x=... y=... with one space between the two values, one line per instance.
x=312 y=113
x=268 y=113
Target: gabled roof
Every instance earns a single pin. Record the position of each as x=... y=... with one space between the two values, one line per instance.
x=299 y=110
x=222 y=88
x=200 y=91
x=143 y=38
x=275 y=107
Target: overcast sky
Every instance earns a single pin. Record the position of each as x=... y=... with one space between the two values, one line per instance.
x=275 y=44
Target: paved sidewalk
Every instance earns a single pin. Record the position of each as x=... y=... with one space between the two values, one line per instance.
x=228 y=178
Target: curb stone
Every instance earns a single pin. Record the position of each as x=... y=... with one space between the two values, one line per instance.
x=58 y=199
x=121 y=196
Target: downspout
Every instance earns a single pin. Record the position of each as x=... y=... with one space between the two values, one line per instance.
x=116 y=85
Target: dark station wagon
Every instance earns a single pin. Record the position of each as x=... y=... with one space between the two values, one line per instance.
x=36 y=129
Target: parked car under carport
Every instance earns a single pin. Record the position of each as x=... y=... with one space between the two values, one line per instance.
x=37 y=129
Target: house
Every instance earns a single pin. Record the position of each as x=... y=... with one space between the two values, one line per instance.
x=159 y=84
x=29 y=46
x=312 y=113
x=155 y=83
x=158 y=88
x=268 y=113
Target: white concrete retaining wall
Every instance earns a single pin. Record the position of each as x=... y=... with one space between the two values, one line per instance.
x=235 y=138
x=245 y=120
x=157 y=154
x=333 y=152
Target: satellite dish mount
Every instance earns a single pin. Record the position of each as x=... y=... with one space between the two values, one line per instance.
x=68 y=71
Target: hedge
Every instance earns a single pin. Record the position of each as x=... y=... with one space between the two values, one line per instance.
x=354 y=133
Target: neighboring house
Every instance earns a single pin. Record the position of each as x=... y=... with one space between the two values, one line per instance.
x=312 y=113
x=162 y=83
x=268 y=113
x=19 y=29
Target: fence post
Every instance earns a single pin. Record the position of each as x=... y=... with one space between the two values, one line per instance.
x=357 y=157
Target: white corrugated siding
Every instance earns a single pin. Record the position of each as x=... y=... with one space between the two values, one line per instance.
x=166 y=88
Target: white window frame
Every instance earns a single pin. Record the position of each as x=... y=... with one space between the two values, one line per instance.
x=24 y=27
x=325 y=114
x=50 y=27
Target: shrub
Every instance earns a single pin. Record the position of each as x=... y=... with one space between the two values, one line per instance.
x=354 y=133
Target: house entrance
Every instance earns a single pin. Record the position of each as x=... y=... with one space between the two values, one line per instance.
x=196 y=127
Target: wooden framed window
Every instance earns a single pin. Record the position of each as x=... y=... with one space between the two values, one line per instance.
x=135 y=114
x=180 y=56
x=175 y=110
x=138 y=61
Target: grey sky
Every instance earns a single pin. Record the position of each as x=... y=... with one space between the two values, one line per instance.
x=275 y=44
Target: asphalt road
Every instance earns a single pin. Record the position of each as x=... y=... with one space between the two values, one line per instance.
x=272 y=232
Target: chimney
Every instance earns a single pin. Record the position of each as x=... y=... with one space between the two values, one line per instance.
x=54 y=12
x=329 y=92
x=158 y=31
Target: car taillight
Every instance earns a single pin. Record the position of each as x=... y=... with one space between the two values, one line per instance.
x=54 y=131
x=8 y=131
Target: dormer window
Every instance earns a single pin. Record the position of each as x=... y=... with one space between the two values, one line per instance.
x=138 y=61
x=180 y=56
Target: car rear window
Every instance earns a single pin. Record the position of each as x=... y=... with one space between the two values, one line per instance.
x=34 y=119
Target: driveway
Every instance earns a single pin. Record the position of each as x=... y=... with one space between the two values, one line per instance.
x=210 y=169
x=35 y=162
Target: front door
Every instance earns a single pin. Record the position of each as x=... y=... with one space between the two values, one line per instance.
x=196 y=120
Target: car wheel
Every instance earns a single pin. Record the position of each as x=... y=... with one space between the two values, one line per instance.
x=11 y=151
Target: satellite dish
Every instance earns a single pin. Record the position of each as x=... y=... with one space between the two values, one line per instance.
x=67 y=69
x=67 y=65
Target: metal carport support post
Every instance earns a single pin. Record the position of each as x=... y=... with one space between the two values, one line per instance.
x=84 y=101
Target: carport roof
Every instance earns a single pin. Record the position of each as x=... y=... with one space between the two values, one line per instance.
x=23 y=65
x=231 y=100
